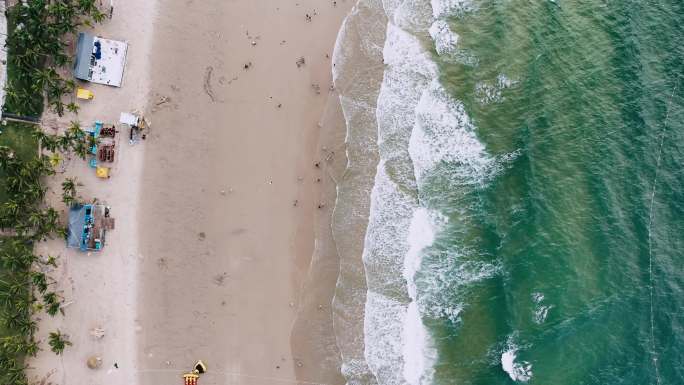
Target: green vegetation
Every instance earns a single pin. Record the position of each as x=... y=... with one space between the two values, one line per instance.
x=38 y=31
x=37 y=42
x=58 y=342
x=19 y=137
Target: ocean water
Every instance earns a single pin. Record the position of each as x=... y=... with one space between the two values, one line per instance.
x=524 y=193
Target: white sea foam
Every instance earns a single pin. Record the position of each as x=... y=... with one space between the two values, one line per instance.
x=537 y=297
x=541 y=311
x=520 y=371
x=446 y=8
x=420 y=128
x=487 y=92
x=417 y=350
x=446 y=41
x=444 y=133
x=421 y=235
x=386 y=300
x=393 y=335
x=383 y=322
x=449 y=277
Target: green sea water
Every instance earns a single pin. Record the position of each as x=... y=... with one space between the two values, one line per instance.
x=584 y=222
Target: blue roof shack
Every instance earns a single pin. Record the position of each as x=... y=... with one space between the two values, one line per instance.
x=88 y=225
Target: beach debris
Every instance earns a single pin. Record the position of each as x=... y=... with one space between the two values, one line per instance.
x=97 y=332
x=220 y=279
x=248 y=65
x=300 y=61
x=316 y=87
x=207 y=83
x=295 y=203
x=223 y=81
x=253 y=43
x=300 y=363
x=238 y=231
x=291 y=304
x=162 y=100
x=320 y=307
x=94 y=362
x=192 y=376
x=44 y=379
x=202 y=236
x=162 y=263
x=280 y=105
x=321 y=205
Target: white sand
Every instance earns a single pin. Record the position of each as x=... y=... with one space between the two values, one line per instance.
x=100 y=289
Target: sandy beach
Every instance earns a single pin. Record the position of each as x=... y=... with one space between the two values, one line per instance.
x=217 y=210
x=100 y=290
x=231 y=186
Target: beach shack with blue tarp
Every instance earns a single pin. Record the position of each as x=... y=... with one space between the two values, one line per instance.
x=88 y=225
x=100 y=60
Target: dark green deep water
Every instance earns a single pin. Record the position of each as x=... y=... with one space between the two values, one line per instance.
x=596 y=118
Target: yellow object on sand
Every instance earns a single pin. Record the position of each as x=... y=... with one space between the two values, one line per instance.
x=82 y=93
x=102 y=172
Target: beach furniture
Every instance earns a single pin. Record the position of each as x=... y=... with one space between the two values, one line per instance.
x=106 y=153
x=192 y=377
x=102 y=172
x=82 y=93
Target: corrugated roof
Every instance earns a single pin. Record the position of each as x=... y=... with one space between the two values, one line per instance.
x=84 y=50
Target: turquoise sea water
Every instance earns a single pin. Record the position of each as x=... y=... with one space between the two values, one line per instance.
x=526 y=217
x=584 y=223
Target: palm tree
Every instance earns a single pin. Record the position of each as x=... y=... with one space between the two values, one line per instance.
x=39 y=280
x=52 y=303
x=17 y=345
x=58 y=342
x=73 y=107
x=69 y=191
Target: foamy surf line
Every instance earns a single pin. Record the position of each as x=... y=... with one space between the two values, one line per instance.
x=398 y=346
x=419 y=127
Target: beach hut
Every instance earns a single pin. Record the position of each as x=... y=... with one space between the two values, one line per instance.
x=88 y=225
x=100 y=60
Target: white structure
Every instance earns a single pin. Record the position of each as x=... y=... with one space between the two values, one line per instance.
x=3 y=53
x=100 y=60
